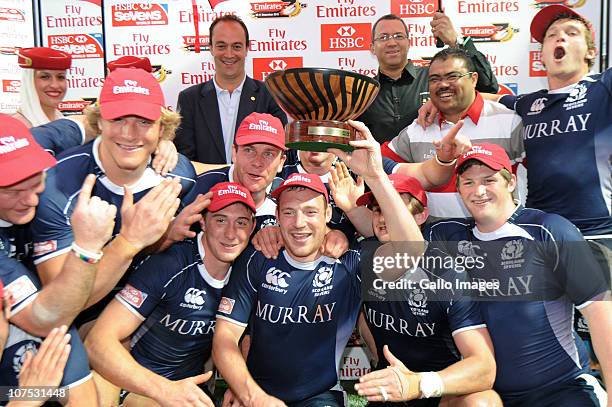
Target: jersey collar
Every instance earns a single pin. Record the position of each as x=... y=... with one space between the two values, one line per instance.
x=473 y=112
x=308 y=266
x=149 y=178
x=210 y=280
x=508 y=229
x=5 y=224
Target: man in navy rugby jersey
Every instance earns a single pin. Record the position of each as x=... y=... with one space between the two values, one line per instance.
x=541 y=267
x=168 y=307
x=568 y=132
x=302 y=307
x=435 y=339
x=131 y=119
x=37 y=310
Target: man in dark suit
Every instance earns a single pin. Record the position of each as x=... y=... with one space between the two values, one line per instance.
x=214 y=109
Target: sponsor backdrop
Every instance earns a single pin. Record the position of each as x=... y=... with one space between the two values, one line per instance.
x=16 y=31
x=284 y=34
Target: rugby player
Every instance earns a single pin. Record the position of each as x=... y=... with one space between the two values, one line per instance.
x=36 y=311
x=440 y=344
x=131 y=119
x=168 y=308
x=542 y=267
x=302 y=298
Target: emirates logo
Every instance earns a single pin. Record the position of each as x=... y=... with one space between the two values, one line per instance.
x=277 y=65
x=346 y=31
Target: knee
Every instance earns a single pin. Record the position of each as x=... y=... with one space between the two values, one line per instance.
x=487 y=398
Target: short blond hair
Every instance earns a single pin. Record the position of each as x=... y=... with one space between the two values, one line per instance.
x=169 y=121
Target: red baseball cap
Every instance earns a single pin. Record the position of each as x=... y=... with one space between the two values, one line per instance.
x=261 y=128
x=43 y=58
x=129 y=91
x=130 y=61
x=227 y=193
x=491 y=155
x=542 y=20
x=20 y=155
x=310 y=181
x=402 y=184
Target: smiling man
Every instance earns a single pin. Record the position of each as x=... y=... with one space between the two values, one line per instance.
x=302 y=302
x=131 y=119
x=212 y=110
x=403 y=85
x=542 y=268
x=452 y=87
x=169 y=307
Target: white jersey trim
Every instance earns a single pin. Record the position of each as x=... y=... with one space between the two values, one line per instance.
x=23 y=304
x=80 y=381
x=233 y=321
x=468 y=328
x=130 y=308
x=309 y=266
x=51 y=255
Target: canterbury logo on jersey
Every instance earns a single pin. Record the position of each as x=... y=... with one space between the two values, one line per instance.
x=194 y=299
x=537 y=106
x=276 y=280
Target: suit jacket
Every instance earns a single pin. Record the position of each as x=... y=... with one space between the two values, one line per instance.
x=200 y=137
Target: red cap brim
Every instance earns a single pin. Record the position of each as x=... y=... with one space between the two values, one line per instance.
x=113 y=110
x=217 y=204
x=16 y=170
x=255 y=139
x=542 y=20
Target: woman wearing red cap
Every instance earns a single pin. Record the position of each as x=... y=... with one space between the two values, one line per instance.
x=43 y=84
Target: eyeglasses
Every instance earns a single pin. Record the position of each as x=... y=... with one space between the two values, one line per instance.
x=387 y=37
x=449 y=78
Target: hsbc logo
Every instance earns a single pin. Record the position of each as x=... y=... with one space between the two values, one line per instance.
x=346 y=37
x=80 y=46
x=277 y=65
x=139 y=14
x=346 y=31
x=413 y=8
x=262 y=67
x=194 y=299
x=536 y=66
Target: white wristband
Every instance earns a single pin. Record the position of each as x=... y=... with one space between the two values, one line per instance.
x=86 y=255
x=444 y=164
x=431 y=385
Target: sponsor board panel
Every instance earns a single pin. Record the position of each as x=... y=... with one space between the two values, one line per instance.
x=75 y=27
x=16 y=31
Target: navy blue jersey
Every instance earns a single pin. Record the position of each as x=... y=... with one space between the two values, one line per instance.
x=568 y=142
x=301 y=316
x=176 y=299
x=418 y=323
x=24 y=285
x=534 y=254
x=59 y=135
x=266 y=213
x=51 y=229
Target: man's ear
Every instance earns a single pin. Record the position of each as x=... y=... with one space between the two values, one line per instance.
x=591 y=55
x=282 y=162
x=328 y=212
x=203 y=222
x=420 y=218
x=512 y=183
x=234 y=153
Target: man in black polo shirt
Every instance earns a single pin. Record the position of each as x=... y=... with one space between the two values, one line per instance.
x=403 y=86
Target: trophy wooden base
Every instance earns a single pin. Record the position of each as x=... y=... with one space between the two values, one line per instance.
x=319 y=135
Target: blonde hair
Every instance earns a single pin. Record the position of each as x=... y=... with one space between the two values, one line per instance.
x=169 y=121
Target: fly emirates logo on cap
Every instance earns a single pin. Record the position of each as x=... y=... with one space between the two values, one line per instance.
x=232 y=190
x=263 y=125
x=130 y=86
x=8 y=144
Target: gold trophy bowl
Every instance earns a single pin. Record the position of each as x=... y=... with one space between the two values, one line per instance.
x=321 y=100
